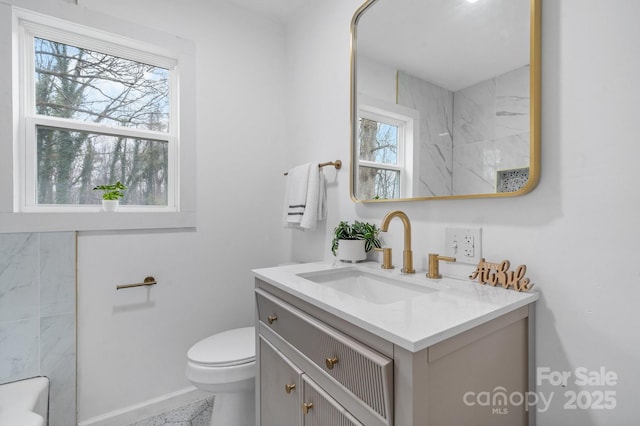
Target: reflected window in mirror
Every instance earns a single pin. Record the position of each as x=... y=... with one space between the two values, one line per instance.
x=380 y=169
x=385 y=145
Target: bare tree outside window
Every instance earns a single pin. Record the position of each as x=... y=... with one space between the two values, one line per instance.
x=87 y=86
x=378 y=147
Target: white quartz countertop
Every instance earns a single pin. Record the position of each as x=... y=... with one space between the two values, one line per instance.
x=413 y=324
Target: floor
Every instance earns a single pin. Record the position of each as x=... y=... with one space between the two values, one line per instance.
x=197 y=413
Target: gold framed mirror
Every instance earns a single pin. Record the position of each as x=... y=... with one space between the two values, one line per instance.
x=445 y=99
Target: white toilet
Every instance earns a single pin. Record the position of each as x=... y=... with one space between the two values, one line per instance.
x=225 y=364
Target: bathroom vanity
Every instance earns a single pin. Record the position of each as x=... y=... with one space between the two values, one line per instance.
x=357 y=345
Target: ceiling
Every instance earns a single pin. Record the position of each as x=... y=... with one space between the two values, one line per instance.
x=452 y=43
x=280 y=10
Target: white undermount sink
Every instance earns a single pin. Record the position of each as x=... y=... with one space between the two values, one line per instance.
x=367 y=286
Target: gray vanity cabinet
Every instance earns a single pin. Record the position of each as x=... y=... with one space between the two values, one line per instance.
x=289 y=397
x=346 y=376
x=338 y=380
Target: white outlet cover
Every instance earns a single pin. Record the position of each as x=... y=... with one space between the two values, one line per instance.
x=459 y=241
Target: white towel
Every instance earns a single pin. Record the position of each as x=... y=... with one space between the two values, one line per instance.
x=305 y=199
x=296 y=194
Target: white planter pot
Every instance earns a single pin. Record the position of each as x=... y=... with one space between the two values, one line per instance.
x=351 y=250
x=110 y=205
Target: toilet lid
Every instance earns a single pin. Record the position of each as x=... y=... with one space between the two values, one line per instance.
x=231 y=347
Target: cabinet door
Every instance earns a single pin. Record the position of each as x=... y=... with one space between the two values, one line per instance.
x=280 y=388
x=319 y=409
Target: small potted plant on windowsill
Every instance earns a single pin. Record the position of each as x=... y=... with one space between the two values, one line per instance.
x=111 y=195
x=352 y=242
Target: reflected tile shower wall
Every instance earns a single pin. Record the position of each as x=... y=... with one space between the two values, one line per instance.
x=468 y=136
x=434 y=165
x=38 y=315
x=491 y=125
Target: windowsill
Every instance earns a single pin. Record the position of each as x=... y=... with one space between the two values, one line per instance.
x=94 y=221
x=95 y=208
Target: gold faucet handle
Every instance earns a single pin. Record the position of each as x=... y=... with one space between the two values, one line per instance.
x=386 y=257
x=434 y=265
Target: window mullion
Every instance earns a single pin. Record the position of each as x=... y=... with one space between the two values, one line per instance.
x=375 y=165
x=63 y=123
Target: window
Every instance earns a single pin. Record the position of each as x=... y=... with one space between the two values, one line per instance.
x=86 y=98
x=385 y=138
x=380 y=149
x=95 y=109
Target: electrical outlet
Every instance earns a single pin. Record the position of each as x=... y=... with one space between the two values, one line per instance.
x=465 y=244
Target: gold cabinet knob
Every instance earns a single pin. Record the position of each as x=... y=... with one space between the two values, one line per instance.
x=289 y=387
x=331 y=362
x=306 y=407
x=272 y=318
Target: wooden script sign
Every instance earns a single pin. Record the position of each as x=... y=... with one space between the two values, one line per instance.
x=499 y=273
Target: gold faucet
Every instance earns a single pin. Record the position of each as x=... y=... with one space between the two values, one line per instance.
x=434 y=265
x=407 y=255
x=386 y=257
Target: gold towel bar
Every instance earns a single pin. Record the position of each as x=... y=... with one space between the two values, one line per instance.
x=337 y=164
x=147 y=282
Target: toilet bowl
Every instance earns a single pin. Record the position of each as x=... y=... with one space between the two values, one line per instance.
x=225 y=365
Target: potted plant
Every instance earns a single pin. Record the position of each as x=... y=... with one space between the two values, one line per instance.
x=111 y=195
x=352 y=242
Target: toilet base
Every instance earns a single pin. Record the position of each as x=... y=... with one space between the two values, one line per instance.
x=234 y=409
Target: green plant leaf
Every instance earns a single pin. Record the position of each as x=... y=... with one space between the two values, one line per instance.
x=112 y=191
x=356 y=231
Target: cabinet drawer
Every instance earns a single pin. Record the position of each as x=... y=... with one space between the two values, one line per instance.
x=365 y=373
x=319 y=409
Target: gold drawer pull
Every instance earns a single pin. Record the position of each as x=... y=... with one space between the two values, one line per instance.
x=306 y=407
x=289 y=387
x=331 y=362
x=272 y=318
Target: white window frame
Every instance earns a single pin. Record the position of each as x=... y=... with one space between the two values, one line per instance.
x=407 y=121
x=102 y=43
x=401 y=142
x=76 y=26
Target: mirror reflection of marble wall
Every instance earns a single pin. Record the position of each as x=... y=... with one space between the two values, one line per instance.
x=433 y=152
x=467 y=136
x=469 y=70
x=38 y=315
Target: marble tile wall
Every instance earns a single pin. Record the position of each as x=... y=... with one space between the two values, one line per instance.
x=38 y=315
x=490 y=131
x=467 y=136
x=433 y=154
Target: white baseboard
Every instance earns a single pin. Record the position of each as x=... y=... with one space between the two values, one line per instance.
x=146 y=409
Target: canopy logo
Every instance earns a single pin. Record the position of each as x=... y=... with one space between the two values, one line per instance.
x=500 y=400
